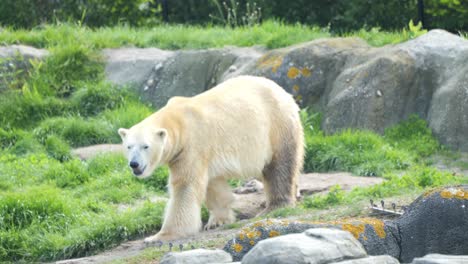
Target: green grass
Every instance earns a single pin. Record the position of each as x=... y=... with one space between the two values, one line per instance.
x=271 y=34
x=54 y=206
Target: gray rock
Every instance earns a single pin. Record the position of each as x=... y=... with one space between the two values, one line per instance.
x=197 y=256
x=384 y=259
x=353 y=84
x=435 y=222
x=133 y=66
x=441 y=259
x=317 y=245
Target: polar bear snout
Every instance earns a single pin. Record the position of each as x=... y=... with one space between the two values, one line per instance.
x=134 y=164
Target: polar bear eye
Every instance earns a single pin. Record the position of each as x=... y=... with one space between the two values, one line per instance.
x=145 y=147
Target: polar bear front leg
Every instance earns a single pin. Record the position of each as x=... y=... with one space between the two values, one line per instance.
x=183 y=213
x=219 y=198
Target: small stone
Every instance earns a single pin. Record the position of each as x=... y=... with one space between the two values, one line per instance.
x=383 y=259
x=197 y=256
x=441 y=259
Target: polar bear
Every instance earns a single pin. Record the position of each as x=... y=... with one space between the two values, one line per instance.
x=244 y=127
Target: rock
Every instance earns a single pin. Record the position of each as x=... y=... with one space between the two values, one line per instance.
x=89 y=152
x=378 y=237
x=317 y=245
x=249 y=187
x=197 y=256
x=384 y=259
x=353 y=84
x=435 y=222
x=133 y=66
x=441 y=259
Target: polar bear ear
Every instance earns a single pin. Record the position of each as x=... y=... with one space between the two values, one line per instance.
x=123 y=132
x=161 y=133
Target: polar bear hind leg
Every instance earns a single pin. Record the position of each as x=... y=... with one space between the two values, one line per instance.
x=281 y=174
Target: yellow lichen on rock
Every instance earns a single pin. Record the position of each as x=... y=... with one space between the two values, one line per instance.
x=273 y=233
x=456 y=193
x=355 y=230
x=358 y=226
x=293 y=73
x=237 y=247
x=270 y=61
x=241 y=236
x=252 y=242
x=306 y=72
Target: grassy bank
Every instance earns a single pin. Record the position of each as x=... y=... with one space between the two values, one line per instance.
x=55 y=206
x=271 y=34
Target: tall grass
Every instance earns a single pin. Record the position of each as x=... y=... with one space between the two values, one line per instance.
x=270 y=33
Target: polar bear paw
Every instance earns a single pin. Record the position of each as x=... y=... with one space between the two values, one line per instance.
x=216 y=221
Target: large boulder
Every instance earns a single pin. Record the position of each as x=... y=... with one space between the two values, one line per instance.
x=197 y=256
x=436 y=222
x=353 y=84
x=319 y=245
x=159 y=75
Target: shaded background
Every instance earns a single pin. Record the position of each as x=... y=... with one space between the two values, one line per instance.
x=338 y=15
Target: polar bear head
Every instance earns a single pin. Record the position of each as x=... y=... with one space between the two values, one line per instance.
x=144 y=148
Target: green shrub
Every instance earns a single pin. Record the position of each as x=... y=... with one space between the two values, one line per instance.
x=8 y=138
x=77 y=131
x=127 y=115
x=18 y=111
x=41 y=206
x=333 y=197
x=413 y=135
x=106 y=163
x=68 y=66
x=57 y=148
x=93 y=99
x=27 y=144
x=158 y=181
x=361 y=152
x=70 y=174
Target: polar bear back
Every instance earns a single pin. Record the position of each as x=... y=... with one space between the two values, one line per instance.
x=237 y=126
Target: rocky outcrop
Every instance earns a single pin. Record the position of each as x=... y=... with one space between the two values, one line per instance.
x=436 y=222
x=318 y=245
x=353 y=84
x=197 y=256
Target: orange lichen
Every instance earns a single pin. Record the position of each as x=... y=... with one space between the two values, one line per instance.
x=237 y=247
x=258 y=224
x=454 y=193
x=252 y=242
x=293 y=73
x=306 y=72
x=358 y=226
x=258 y=233
x=273 y=233
x=296 y=88
x=356 y=230
x=251 y=234
x=241 y=236
x=270 y=61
